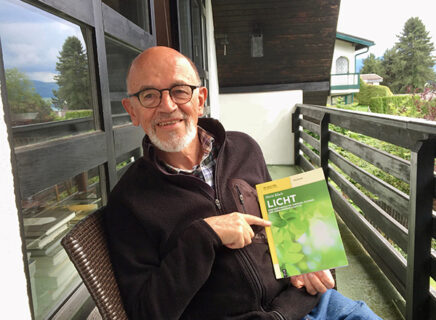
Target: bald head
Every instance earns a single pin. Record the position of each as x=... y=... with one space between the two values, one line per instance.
x=160 y=62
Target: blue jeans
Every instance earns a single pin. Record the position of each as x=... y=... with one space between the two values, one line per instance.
x=334 y=305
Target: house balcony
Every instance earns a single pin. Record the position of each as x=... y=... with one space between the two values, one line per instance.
x=385 y=203
x=344 y=83
x=387 y=232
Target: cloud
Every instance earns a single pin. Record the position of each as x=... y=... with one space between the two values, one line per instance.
x=41 y=76
x=382 y=21
x=34 y=45
x=32 y=39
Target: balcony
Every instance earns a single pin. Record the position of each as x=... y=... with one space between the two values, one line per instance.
x=396 y=229
x=391 y=260
x=344 y=83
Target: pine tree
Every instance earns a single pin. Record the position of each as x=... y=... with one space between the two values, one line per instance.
x=390 y=68
x=73 y=78
x=414 y=67
x=372 y=65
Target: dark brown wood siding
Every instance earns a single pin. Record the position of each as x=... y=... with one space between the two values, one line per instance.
x=298 y=41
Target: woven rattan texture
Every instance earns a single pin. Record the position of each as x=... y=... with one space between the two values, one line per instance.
x=87 y=249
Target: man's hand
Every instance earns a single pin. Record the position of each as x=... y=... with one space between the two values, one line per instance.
x=314 y=282
x=234 y=228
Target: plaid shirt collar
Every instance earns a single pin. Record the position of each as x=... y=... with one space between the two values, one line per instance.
x=206 y=169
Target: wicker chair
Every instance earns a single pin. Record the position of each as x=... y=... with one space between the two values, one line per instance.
x=86 y=246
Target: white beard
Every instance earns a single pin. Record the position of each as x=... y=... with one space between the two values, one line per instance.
x=175 y=143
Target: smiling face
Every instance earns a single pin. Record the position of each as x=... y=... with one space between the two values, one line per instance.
x=171 y=127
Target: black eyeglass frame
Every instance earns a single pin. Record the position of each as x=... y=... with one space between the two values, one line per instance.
x=136 y=94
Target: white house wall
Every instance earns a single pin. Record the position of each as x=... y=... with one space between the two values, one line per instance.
x=265 y=116
x=14 y=303
x=343 y=49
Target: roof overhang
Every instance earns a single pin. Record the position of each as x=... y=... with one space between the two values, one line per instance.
x=297 y=40
x=359 y=43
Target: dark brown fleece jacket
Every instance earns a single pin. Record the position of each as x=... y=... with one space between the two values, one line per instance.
x=171 y=265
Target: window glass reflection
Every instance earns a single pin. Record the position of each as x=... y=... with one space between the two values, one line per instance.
x=119 y=58
x=134 y=10
x=126 y=160
x=47 y=74
x=47 y=217
x=197 y=40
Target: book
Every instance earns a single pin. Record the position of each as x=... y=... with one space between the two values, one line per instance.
x=47 y=221
x=54 y=277
x=51 y=261
x=66 y=287
x=41 y=242
x=50 y=249
x=304 y=236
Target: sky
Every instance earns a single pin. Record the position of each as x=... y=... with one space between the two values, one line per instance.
x=382 y=20
x=31 y=39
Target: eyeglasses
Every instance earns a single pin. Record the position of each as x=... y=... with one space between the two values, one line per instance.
x=151 y=97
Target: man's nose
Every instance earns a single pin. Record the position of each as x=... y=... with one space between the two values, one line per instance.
x=166 y=102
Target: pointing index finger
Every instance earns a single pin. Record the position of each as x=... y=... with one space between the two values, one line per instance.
x=250 y=219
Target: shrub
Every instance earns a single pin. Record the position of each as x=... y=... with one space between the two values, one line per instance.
x=376 y=104
x=74 y=114
x=398 y=105
x=368 y=91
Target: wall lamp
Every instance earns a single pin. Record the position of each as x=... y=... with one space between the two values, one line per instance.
x=223 y=40
x=256 y=39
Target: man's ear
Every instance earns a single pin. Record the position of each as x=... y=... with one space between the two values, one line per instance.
x=202 y=96
x=131 y=111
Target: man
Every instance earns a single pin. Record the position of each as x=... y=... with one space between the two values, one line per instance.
x=184 y=228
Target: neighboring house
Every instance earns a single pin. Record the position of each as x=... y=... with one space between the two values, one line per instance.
x=371 y=78
x=344 y=81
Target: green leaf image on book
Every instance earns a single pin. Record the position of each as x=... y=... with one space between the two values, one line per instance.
x=304 y=235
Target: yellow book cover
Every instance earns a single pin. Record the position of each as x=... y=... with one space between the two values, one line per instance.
x=304 y=236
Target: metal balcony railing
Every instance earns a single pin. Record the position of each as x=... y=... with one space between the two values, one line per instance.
x=356 y=193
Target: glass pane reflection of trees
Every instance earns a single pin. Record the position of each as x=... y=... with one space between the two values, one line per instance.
x=47 y=74
x=48 y=95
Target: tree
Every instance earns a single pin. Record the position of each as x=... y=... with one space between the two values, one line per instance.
x=390 y=68
x=372 y=65
x=22 y=97
x=414 y=66
x=73 y=78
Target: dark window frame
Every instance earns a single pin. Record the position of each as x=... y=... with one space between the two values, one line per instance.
x=107 y=142
x=186 y=38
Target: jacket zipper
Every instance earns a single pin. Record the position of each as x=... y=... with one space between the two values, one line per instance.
x=253 y=275
x=278 y=314
x=252 y=271
x=218 y=203
x=241 y=198
x=246 y=260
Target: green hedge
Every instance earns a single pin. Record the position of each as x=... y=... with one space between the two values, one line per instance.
x=368 y=91
x=397 y=105
x=74 y=114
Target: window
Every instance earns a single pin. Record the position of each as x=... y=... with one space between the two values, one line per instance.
x=134 y=10
x=47 y=74
x=341 y=65
x=49 y=97
x=64 y=71
x=118 y=60
x=192 y=37
x=47 y=217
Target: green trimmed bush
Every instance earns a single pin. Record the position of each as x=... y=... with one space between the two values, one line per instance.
x=376 y=104
x=398 y=105
x=74 y=114
x=368 y=91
